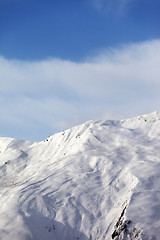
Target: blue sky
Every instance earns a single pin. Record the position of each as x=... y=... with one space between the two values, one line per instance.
x=32 y=29
x=65 y=62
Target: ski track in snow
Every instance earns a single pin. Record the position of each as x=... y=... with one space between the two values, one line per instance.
x=99 y=180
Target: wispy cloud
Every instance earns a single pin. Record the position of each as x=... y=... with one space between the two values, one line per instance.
x=55 y=94
x=117 y=7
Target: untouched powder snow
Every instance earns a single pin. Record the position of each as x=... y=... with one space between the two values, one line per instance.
x=99 y=180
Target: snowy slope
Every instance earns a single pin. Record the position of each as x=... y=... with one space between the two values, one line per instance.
x=99 y=180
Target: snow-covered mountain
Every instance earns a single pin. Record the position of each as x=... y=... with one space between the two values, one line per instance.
x=99 y=180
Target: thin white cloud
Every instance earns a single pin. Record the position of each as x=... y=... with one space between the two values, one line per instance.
x=117 y=7
x=58 y=94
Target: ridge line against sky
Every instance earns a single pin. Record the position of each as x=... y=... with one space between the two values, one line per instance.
x=41 y=97
x=65 y=62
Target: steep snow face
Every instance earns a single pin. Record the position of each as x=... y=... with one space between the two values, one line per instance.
x=99 y=180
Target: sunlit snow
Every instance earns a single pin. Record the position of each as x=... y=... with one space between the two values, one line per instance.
x=99 y=180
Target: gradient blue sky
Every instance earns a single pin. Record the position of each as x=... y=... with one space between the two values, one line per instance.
x=72 y=29
x=65 y=62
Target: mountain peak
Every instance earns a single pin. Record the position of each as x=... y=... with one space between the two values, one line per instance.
x=99 y=180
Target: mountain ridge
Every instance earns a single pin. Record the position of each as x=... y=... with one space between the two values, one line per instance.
x=98 y=180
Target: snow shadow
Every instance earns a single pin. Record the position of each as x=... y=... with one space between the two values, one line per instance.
x=42 y=227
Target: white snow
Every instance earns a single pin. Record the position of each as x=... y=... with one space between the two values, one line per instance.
x=99 y=180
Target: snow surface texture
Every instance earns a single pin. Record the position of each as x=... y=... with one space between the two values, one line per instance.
x=99 y=180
